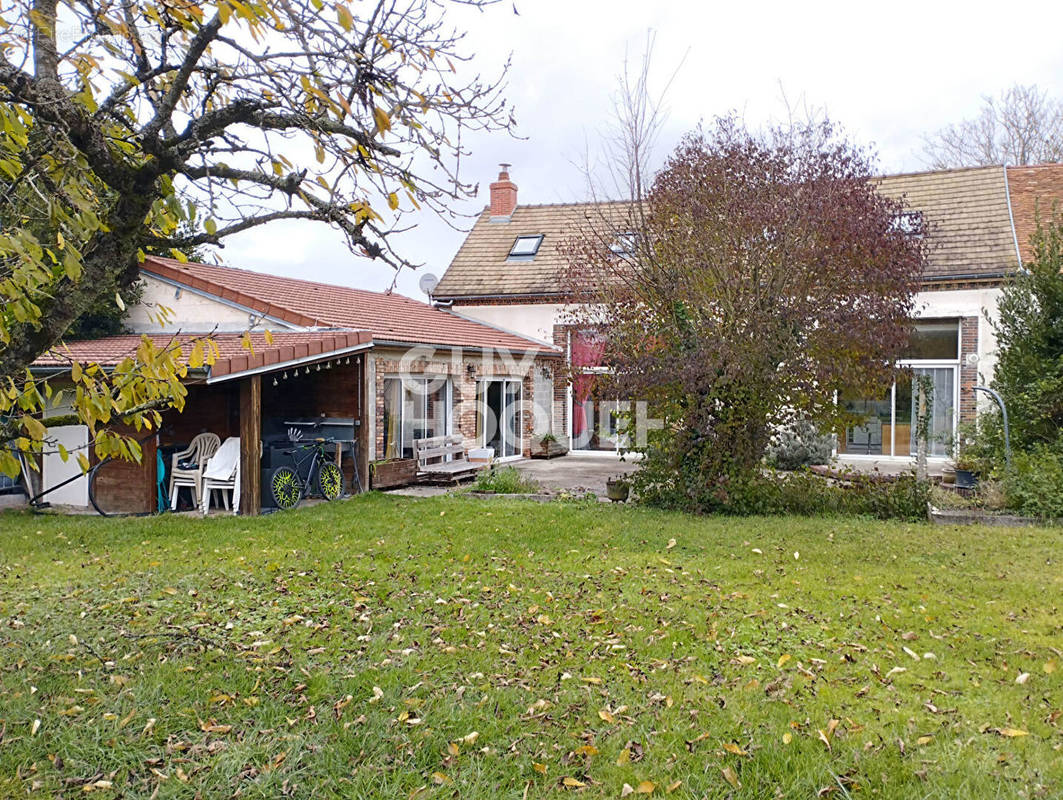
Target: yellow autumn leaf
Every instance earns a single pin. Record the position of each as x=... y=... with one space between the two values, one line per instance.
x=731 y=777
x=393 y=201
x=606 y=716
x=540 y=768
x=586 y=750
x=1013 y=732
x=782 y=660
x=746 y=660
x=453 y=748
x=734 y=749
x=624 y=757
x=1050 y=666
x=383 y=121
x=344 y=17
x=572 y=783
x=673 y=786
x=787 y=737
x=438 y=778
x=268 y=336
x=924 y=740
x=646 y=787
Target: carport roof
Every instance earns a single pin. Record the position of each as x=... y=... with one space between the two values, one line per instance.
x=233 y=357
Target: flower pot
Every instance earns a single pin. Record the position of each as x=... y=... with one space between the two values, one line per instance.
x=948 y=476
x=966 y=479
x=617 y=491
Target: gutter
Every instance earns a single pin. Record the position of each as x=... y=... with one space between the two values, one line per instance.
x=458 y=297
x=969 y=276
x=1011 y=218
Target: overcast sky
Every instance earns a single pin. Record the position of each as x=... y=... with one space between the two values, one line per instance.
x=888 y=73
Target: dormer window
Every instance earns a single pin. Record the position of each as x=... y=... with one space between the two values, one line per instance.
x=908 y=223
x=525 y=247
x=624 y=244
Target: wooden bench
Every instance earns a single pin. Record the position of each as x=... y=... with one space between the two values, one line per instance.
x=444 y=457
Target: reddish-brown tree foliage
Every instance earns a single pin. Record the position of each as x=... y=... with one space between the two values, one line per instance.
x=766 y=273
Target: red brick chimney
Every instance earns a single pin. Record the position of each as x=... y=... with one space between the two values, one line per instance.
x=503 y=194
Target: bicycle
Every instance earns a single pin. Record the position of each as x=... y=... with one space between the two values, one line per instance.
x=289 y=487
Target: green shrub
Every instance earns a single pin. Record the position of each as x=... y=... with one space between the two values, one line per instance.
x=504 y=480
x=803 y=492
x=1034 y=486
x=799 y=444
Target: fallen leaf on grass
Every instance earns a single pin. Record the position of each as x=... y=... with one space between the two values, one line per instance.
x=673 y=786
x=626 y=790
x=782 y=660
x=924 y=740
x=734 y=749
x=646 y=787
x=1011 y=733
x=540 y=768
x=1023 y=677
x=438 y=778
x=787 y=737
x=572 y=783
x=1049 y=667
x=730 y=776
x=606 y=716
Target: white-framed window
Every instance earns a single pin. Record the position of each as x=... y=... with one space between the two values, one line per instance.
x=889 y=419
x=414 y=408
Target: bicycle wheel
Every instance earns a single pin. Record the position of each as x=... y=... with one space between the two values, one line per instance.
x=330 y=480
x=286 y=486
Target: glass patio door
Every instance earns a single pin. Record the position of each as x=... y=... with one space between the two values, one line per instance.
x=499 y=416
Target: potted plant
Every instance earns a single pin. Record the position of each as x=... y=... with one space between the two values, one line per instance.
x=966 y=472
x=547 y=446
x=617 y=488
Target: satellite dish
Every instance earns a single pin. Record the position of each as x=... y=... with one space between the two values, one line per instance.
x=428 y=283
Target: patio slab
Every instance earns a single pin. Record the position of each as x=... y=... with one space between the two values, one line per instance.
x=576 y=474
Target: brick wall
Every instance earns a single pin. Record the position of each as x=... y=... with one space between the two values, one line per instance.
x=1033 y=190
x=968 y=371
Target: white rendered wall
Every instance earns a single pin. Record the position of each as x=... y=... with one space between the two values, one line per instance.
x=192 y=312
x=967 y=303
x=531 y=319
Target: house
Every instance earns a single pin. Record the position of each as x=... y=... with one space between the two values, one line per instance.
x=509 y=272
x=381 y=369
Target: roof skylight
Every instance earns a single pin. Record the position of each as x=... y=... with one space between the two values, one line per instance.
x=525 y=247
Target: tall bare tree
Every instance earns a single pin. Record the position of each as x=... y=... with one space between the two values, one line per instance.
x=1024 y=125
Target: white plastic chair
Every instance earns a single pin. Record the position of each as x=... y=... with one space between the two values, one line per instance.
x=223 y=474
x=197 y=454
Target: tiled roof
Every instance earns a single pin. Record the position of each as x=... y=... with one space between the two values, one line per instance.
x=232 y=358
x=388 y=317
x=1036 y=191
x=967 y=213
x=967 y=210
x=481 y=266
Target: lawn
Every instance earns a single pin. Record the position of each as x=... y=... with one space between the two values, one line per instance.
x=453 y=647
